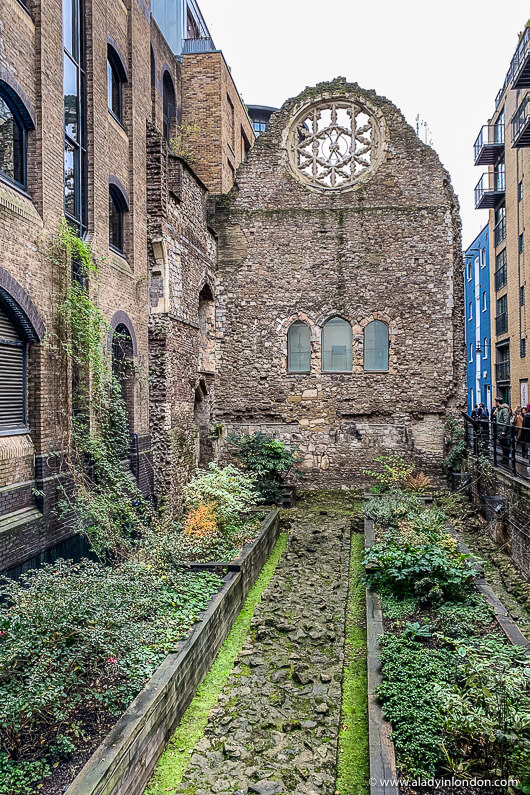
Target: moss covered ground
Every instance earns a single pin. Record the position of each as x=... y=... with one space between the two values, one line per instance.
x=353 y=761
x=175 y=759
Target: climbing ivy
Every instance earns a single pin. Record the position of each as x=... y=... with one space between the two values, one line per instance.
x=99 y=496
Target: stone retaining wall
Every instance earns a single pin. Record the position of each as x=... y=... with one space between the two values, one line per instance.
x=126 y=758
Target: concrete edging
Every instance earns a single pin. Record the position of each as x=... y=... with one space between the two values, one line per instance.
x=381 y=748
x=124 y=761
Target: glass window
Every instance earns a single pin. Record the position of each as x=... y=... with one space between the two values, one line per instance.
x=470 y=351
x=470 y=311
x=520 y=191
x=116 y=212
x=485 y=347
x=521 y=243
x=74 y=95
x=12 y=145
x=336 y=346
x=299 y=348
x=484 y=301
x=169 y=106
x=376 y=346
x=71 y=180
x=469 y=270
x=113 y=91
x=70 y=89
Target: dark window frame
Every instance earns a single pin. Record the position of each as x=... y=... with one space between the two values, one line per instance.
x=169 y=105
x=116 y=78
x=20 y=343
x=77 y=145
x=23 y=145
x=119 y=204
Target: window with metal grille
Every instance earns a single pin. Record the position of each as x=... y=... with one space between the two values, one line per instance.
x=522 y=349
x=12 y=378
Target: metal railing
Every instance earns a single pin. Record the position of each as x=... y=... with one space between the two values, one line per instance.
x=520 y=117
x=499 y=231
x=501 y=277
x=501 y=323
x=202 y=44
x=489 y=135
x=499 y=443
x=502 y=371
x=491 y=182
x=520 y=56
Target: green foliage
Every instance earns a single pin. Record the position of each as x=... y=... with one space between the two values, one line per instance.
x=386 y=510
x=103 y=503
x=410 y=673
x=455 y=444
x=416 y=631
x=393 y=473
x=20 y=777
x=184 y=144
x=463 y=619
x=228 y=490
x=82 y=637
x=486 y=710
x=395 y=608
x=266 y=458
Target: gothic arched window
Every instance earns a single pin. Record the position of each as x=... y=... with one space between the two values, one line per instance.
x=299 y=348
x=336 y=346
x=12 y=141
x=376 y=346
x=169 y=106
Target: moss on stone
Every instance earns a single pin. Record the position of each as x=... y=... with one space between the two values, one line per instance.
x=175 y=759
x=353 y=761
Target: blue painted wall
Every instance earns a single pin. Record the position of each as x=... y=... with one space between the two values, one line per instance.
x=478 y=321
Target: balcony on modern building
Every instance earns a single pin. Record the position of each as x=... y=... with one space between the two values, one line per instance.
x=521 y=124
x=490 y=189
x=520 y=65
x=489 y=145
x=502 y=371
x=201 y=44
x=499 y=231
x=501 y=324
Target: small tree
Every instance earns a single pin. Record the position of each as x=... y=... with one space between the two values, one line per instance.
x=266 y=458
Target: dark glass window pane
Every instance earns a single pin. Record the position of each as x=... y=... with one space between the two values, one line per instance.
x=9 y=136
x=69 y=26
x=115 y=224
x=71 y=180
x=113 y=91
x=376 y=346
x=336 y=346
x=299 y=348
x=70 y=97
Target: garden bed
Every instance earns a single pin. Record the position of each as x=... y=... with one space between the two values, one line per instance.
x=456 y=691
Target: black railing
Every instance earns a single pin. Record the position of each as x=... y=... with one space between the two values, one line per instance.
x=501 y=324
x=501 y=278
x=499 y=231
x=491 y=185
x=488 y=144
x=520 y=118
x=502 y=371
x=499 y=443
x=520 y=56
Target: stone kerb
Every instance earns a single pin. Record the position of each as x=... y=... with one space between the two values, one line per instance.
x=124 y=761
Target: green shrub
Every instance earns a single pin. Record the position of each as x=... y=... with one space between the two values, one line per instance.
x=266 y=458
x=228 y=490
x=410 y=673
x=393 y=471
x=83 y=637
x=427 y=572
x=386 y=510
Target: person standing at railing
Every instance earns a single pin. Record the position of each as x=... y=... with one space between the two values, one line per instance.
x=526 y=434
x=517 y=422
x=482 y=417
x=504 y=431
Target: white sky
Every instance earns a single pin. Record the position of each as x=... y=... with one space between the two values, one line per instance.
x=445 y=61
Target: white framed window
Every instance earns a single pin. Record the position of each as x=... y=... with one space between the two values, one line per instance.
x=485 y=348
x=470 y=352
x=470 y=311
x=469 y=270
x=336 y=346
x=484 y=301
x=482 y=257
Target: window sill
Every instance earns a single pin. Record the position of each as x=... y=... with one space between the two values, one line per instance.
x=15 y=431
x=376 y=372
x=119 y=124
x=15 y=185
x=336 y=372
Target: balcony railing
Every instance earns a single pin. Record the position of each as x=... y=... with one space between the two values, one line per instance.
x=521 y=124
x=501 y=324
x=520 y=65
x=502 y=371
x=501 y=279
x=489 y=144
x=499 y=231
x=490 y=189
x=203 y=44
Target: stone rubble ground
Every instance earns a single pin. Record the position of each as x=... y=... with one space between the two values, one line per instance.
x=276 y=726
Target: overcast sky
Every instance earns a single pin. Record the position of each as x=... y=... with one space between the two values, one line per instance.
x=445 y=61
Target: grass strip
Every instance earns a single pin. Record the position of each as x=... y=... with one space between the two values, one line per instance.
x=174 y=761
x=353 y=768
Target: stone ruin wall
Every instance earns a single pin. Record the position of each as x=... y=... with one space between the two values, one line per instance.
x=387 y=248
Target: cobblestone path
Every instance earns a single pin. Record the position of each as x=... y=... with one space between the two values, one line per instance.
x=275 y=729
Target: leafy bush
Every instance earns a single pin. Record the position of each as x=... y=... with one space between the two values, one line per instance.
x=455 y=445
x=228 y=490
x=385 y=511
x=410 y=673
x=394 y=471
x=200 y=522
x=266 y=458
x=417 y=484
x=83 y=637
x=426 y=572
x=486 y=711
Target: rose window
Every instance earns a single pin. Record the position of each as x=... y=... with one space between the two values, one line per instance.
x=334 y=144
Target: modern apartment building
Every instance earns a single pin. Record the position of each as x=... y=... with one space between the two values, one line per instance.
x=503 y=148
x=260 y=115
x=478 y=323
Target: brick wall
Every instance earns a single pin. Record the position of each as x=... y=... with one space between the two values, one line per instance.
x=389 y=250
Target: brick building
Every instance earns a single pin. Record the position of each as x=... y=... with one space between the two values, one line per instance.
x=339 y=289
x=503 y=147
x=91 y=98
